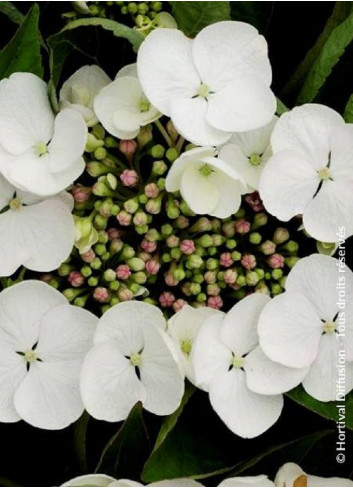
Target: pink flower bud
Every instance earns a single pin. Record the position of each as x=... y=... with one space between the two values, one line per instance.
x=268 y=247
x=228 y=229
x=215 y=302
x=76 y=279
x=114 y=233
x=123 y=272
x=89 y=256
x=101 y=294
x=124 y=218
x=144 y=256
x=248 y=262
x=276 y=261
x=187 y=247
x=213 y=289
x=81 y=194
x=149 y=246
x=170 y=279
x=254 y=201
x=230 y=276
x=166 y=299
x=242 y=226
x=129 y=178
x=151 y=190
x=46 y=277
x=153 y=266
x=179 y=304
x=127 y=147
x=226 y=260
x=125 y=295
x=210 y=277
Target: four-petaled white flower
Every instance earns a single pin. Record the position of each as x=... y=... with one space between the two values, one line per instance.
x=291 y=475
x=301 y=327
x=102 y=480
x=311 y=171
x=244 y=385
x=122 y=107
x=43 y=340
x=39 y=153
x=79 y=91
x=248 y=152
x=183 y=328
x=208 y=184
x=35 y=232
x=211 y=86
x=133 y=359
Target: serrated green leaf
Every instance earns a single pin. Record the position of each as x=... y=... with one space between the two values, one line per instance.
x=328 y=410
x=191 y=17
x=23 y=52
x=332 y=49
x=125 y=453
x=12 y=12
x=348 y=111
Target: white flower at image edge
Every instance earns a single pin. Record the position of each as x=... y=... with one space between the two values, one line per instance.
x=248 y=153
x=244 y=385
x=102 y=480
x=300 y=327
x=311 y=171
x=249 y=481
x=122 y=107
x=291 y=475
x=35 y=232
x=183 y=328
x=211 y=86
x=132 y=360
x=208 y=184
x=39 y=153
x=79 y=91
x=43 y=340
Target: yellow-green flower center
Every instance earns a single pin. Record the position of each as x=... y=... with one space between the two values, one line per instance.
x=144 y=105
x=41 y=148
x=203 y=91
x=324 y=173
x=135 y=359
x=206 y=170
x=30 y=356
x=329 y=327
x=186 y=346
x=237 y=361
x=255 y=159
x=15 y=204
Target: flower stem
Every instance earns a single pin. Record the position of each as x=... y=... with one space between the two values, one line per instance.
x=164 y=133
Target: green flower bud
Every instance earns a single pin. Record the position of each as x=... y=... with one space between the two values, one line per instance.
x=212 y=251
x=143 y=199
x=255 y=238
x=252 y=278
x=276 y=289
x=127 y=252
x=98 y=132
x=212 y=264
x=291 y=247
x=167 y=229
x=71 y=294
x=110 y=142
x=201 y=225
x=136 y=264
x=145 y=136
x=141 y=229
x=139 y=278
x=97 y=169
x=280 y=236
x=166 y=258
x=116 y=246
x=185 y=209
x=231 y=244
x=102 y=190
x=96 y=264
x=100 y=249
x=260 y=220
x=80 y=301
x=93 y=281
x=112 y=181
x=198 y=278
x=157 y=151
x=291 y=261
x=206 y=241
x=100 y=153
x=103 y=237
x=179 y=274
x=109 y=275
x=105 y=209
x=161 y=183
x=240 y=213
x=277 y=273
x=114 y=285
x=100 y=222
x=93 y=143
x=241 y=280
x=65 y=269
x=175 y=253
x=194 y=261
x=132 y=8
x=181 y=222
x=86 y=271
x=171 y=154
x=85 y=234
x=236 y=256
x=153 y=235
x=172 y=209
x=159 y=168
x=195 y=289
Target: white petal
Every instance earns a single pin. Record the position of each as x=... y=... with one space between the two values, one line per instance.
x=210 y=357
x=256 y=141
x=330 y=210
x=90 y=480
x=187 y=158
x=7 y=192
x=341 y=166
x=322 y=380
x=270 y=378
x=290 y=334
x=123 y=322
x=189 y=116
x=287 y=185
x=224 y=50
x=22 y=307
x=317 y=277
x=125 y=483
x=229 y=199
x=109 y=385
x=314 y=481
x=291 y=475
x=308 y=131
x=184 y=327
x=166 y=69
x=198 y=190
x=69 y=140
x=26 y=116
x=249 y=481
x=12 y=372
x=239 y=329
x=245 y=103
x=47 y=233
x=128 y=70
x=288 y=474
x=160 y=373
x=234 y=156
x=345 y=322
x=49 y=396
x=12 y=254
x=245 y=413
x=91 y=79
x=182 y=482
x=66 y=333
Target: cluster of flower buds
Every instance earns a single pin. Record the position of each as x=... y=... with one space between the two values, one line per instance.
x=135 y=240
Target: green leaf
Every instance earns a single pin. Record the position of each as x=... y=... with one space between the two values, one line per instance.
x=64 y=42
x=281 y=108
x=11 y=12
x=126 y=452
x=332 y=49
x=328 y=410
x=257 y=14
x=191 y=17
x=80 y=440
x=348 y=111
x=22 y=53
x=340 y=13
